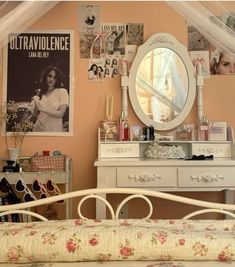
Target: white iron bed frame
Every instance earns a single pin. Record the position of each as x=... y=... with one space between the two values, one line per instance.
x=207 y=207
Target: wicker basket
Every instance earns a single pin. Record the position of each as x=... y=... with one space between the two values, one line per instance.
x=48 y=163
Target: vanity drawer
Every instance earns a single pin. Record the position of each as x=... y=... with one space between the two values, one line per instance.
x=217 y=150
x=206 y=177
x=119 y=150
x=146 y=177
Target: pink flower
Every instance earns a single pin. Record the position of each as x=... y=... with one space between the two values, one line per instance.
x=93 y=241
x=223 y=257
x=78 y=222
x=71 y=246
x=126 y=251
x=162 y=239
x=14 y=254
x=181 y=242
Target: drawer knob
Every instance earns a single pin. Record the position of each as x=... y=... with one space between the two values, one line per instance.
x=207 y=178
x=143 y=178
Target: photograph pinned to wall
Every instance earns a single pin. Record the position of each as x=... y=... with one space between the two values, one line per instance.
x=38 y=79
x=201 y=57
x=111 y=66
x=86 y=42
x=196 y=41
x=114 y=41
x=134 y=34
x=96 y=71
x=89 y=18
x=89 y=26
x=221 y=62
x=103 y=68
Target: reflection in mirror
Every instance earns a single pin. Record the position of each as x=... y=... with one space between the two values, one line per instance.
x=161 y=82
x=162 y=85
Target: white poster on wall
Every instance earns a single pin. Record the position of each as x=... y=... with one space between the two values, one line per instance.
x=38 y=78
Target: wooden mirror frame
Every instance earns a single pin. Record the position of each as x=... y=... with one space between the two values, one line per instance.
x=162 y=40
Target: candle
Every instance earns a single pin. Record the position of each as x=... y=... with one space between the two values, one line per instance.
x=111 y=108
x=107 y=108
x=124 y=67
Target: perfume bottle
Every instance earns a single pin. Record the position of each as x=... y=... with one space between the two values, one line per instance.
x=203 y=129
x=184 y=133
x=123 y=128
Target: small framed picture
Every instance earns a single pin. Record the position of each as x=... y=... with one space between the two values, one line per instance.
x=24 y=164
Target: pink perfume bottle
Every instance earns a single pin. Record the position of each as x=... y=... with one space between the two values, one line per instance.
x=203 y=129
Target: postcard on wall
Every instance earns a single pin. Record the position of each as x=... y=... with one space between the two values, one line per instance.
x=87 y=42
x=89 y=18
x=196 y=41
x=134 y=34
x=221 y=62
x=115 y=40
x=89 y=27
x=38 y=78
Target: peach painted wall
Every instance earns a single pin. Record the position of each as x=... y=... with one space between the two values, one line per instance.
x=89 y=97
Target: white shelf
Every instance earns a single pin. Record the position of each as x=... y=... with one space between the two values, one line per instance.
x=63 y=178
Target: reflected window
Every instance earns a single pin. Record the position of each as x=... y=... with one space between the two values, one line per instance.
x=162 y=84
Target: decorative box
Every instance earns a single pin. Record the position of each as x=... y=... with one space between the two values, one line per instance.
x=217 y=131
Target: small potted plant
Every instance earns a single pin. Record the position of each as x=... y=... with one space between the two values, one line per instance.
x=15 y=126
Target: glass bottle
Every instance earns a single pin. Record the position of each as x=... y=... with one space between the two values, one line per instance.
x=123 y=128
x=203 y=129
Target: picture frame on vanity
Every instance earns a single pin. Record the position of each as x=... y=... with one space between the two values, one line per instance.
x=217 y=131
x=24 y=164
x=28 y=58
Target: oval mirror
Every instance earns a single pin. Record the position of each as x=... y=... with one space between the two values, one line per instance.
x=161 y=82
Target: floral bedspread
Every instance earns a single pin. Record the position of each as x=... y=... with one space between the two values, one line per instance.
x=115 y=240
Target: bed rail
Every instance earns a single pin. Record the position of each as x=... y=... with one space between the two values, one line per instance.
x=96 y=193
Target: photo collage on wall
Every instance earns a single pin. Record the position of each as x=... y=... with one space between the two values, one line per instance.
x=106 y=44
x=213 y=60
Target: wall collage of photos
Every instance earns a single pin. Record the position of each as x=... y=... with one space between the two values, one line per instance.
x=106 y=44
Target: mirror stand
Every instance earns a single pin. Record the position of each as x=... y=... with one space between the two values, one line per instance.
x=162 y=85
x=124 y=85
x=200 y=83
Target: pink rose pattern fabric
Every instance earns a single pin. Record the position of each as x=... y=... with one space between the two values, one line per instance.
x=116 y=240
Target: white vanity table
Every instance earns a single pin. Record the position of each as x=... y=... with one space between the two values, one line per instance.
x=169 y=175
x=123 y=164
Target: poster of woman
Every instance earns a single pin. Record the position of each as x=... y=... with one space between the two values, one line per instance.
x=38 y=79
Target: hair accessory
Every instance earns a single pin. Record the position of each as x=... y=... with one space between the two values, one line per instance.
x=215 y=55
